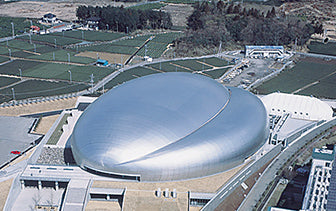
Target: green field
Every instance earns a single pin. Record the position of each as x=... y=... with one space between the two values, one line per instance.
x=3 y=59
x=192 y=64
x=216 y=73
x=60 y=71
x=91 y=35
x=119 y=79
x=12 y=68
x=304 y=73
x=168 y=67
x=148 y=6
x=20 y=44
x=20 y=25
x=35 y=88
x=5 y=81
x=321 y=48
x=214 y=61
x=50 y=39
x=62 y=55
x=110 y=48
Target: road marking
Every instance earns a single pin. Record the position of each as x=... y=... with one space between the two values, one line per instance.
x=235 y=183
x=223 y=194
x=242 y=177
x=248 y=172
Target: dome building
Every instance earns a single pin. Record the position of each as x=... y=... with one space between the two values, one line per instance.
x=169 y=126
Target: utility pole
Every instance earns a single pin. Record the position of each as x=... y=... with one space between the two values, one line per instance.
x=30 y=41
x=91 y=81
x=10 y=54
x=54 y=56
x=13 y=29
x=55 y=44
x=68 y=57
x=20 y=73
x=31 y=23
x=145 y=50
x=82 y=35
x=127 y=29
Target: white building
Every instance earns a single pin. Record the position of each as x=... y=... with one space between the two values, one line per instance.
x=254 y=51
x=316 y=195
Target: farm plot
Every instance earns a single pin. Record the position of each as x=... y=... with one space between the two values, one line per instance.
x=91 y=35
x=5 y=81
x=324 y=89
x=119 y=79
x=192 y=64
x=140 y=71
x=148 y=6
x=20 y=44
x=62 y=55
x=217 y=73
x=321 y=48
x=110 y=48
x=154 y=50
x=168 y=67
x=50 y=39
x=3 y=59
x=214 y=61
x=61 y=72
x=303 y=74
x=166 y=38
x=20 y=25
x=12 y=68
x=35 y=88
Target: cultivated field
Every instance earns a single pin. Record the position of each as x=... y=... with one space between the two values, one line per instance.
x=213 y=67
x=308 y=77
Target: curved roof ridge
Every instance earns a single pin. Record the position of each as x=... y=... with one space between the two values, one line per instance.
x=151 y=154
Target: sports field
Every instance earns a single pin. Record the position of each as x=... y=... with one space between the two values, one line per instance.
x=310 y=76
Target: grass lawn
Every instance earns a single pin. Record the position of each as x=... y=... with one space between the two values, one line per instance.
x=54 y=138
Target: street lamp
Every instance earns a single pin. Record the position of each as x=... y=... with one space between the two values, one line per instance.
x=20 y=74
x=10 y=53
x=69 y=71
x=55 y=44
x=82 y=35
x=13 y=94
x=30 y=39
x=127 y=29
x=68 y=57
x=13 y=29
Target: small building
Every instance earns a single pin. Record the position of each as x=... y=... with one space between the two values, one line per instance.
x=92 y=23
x=49 y=18
x=254 y=51
x=35 y=29
x=102 y=62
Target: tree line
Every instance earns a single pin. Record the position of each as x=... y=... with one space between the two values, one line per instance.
x=125 y=19
x=232 y=24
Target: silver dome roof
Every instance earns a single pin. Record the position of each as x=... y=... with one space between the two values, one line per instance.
x=169 y=126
